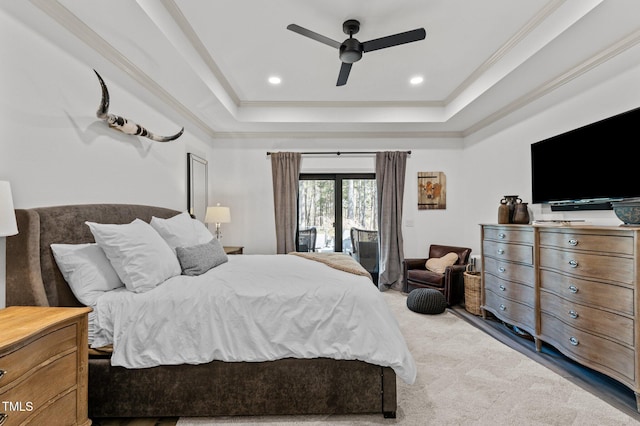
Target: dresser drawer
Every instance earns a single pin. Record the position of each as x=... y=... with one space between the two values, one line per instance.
x=604 y=323
x=50 y=380
x=567 y=239
x=37 y=352
x=56 y=414
x=510 y=252
x=593 y=293
x=509 y=271
x=510 y=234
x=601 y=354
x=515 y=291
x=510 y=311
x=580 y=264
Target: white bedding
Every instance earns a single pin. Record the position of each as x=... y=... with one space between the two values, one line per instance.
x=253 y=308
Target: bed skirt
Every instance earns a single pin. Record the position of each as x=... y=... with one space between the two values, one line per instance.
x=283 y=387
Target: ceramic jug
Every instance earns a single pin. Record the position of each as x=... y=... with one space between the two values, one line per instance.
x=510 y=201
x=503 y=212
x=521 y=213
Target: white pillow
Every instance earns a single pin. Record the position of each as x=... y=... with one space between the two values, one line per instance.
x=181 y=230
x=87 y=270
x=137 y=252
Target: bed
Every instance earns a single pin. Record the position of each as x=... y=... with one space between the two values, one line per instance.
x=280 y=383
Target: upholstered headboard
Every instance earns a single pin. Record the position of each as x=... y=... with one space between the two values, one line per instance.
x=33 y=277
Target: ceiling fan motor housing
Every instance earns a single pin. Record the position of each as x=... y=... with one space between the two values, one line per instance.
x=350 y=51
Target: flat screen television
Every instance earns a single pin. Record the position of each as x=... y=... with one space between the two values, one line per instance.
x=588 y=167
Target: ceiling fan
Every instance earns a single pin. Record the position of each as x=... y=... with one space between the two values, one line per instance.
x=351 y=49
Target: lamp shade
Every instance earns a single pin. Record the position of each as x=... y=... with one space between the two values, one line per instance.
x=8 y=224
x=218 y=214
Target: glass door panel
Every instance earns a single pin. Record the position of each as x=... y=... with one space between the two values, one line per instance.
x=359 y=208
x=336 y=201
x=317 y=209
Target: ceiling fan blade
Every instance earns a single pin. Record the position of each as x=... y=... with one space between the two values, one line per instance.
x=313 y=35
x=394 y=40
x=344 y=74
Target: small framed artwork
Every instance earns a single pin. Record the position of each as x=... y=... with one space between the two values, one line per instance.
x=432 y=190
x=197 y=178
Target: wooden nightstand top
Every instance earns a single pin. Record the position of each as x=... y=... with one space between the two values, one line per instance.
x=18 y=322
x=233 y=249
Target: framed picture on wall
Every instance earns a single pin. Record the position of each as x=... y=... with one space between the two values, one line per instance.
x=432 y=191
x=197 y=179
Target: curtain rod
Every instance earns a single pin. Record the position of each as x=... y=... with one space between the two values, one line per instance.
x=338 y=152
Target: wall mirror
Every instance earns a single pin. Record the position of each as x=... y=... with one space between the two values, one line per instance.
x=197 y=179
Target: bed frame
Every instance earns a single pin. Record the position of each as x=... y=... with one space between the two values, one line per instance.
x=288 y=386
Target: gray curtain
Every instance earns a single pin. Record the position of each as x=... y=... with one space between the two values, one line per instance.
x=285 y=169
x=390 y=176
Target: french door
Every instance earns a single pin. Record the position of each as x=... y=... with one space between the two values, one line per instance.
x=333 y=204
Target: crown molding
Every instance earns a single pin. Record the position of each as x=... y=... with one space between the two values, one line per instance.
x=83 y=32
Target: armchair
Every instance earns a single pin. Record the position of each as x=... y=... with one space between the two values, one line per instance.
x=307 y=239
x=450 y=282
x=364 y=249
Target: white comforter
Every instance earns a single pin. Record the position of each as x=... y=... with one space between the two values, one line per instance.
x=253 y=308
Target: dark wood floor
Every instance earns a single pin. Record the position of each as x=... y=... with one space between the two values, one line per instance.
x=607 y=389
x=155 y=421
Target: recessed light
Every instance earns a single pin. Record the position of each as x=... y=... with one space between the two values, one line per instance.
x=275 y=80
x=416 y=80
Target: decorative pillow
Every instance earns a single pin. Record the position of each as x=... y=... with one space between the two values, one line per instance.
x=87 y=270
x=137 y=252
x=439 y=264
x=199 y=259
x=181 y=230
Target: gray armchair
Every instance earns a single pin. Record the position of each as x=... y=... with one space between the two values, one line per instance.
x=364 y=249
x=307 y=239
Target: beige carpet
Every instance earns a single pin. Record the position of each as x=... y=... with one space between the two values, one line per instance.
x=465 y=377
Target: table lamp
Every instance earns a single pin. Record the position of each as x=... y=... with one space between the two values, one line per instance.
x=218 y=214
x=8 y=227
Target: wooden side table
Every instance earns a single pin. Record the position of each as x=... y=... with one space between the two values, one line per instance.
x=44 y=365
x=233 y=249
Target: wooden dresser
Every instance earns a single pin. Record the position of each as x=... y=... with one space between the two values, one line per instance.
x=585 y=300
x=509 y=275
x=43 y=366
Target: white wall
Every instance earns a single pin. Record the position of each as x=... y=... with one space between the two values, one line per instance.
x=499 y=164
x=241 y=173
x=54 y=150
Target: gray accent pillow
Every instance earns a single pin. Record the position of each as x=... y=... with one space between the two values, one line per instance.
x=196 y=260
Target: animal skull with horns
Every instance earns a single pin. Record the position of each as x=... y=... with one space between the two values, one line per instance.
x=124 y=125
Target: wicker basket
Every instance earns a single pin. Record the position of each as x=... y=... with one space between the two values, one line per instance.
x=472 y=292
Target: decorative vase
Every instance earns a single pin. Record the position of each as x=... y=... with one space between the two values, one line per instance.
x=521 y=213
x=510 y=201
x=503 y=212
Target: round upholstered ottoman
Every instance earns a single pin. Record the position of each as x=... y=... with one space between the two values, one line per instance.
x=426 y=301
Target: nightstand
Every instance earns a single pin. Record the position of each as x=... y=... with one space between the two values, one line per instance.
x=44 y=365
x=233 y=250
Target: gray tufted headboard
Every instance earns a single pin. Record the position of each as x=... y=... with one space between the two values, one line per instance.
x=33 y=278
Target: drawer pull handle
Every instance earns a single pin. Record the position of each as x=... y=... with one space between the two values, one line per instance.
x=573 y=263
x=502 y=307
x=502 y=236
x=573 y=341
x=573 y=289
x=3 y=418
x=500 y=251
x=501 y=269
x=502 y=288
x=573 y=242
x=573 y=314
x=2 y=373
